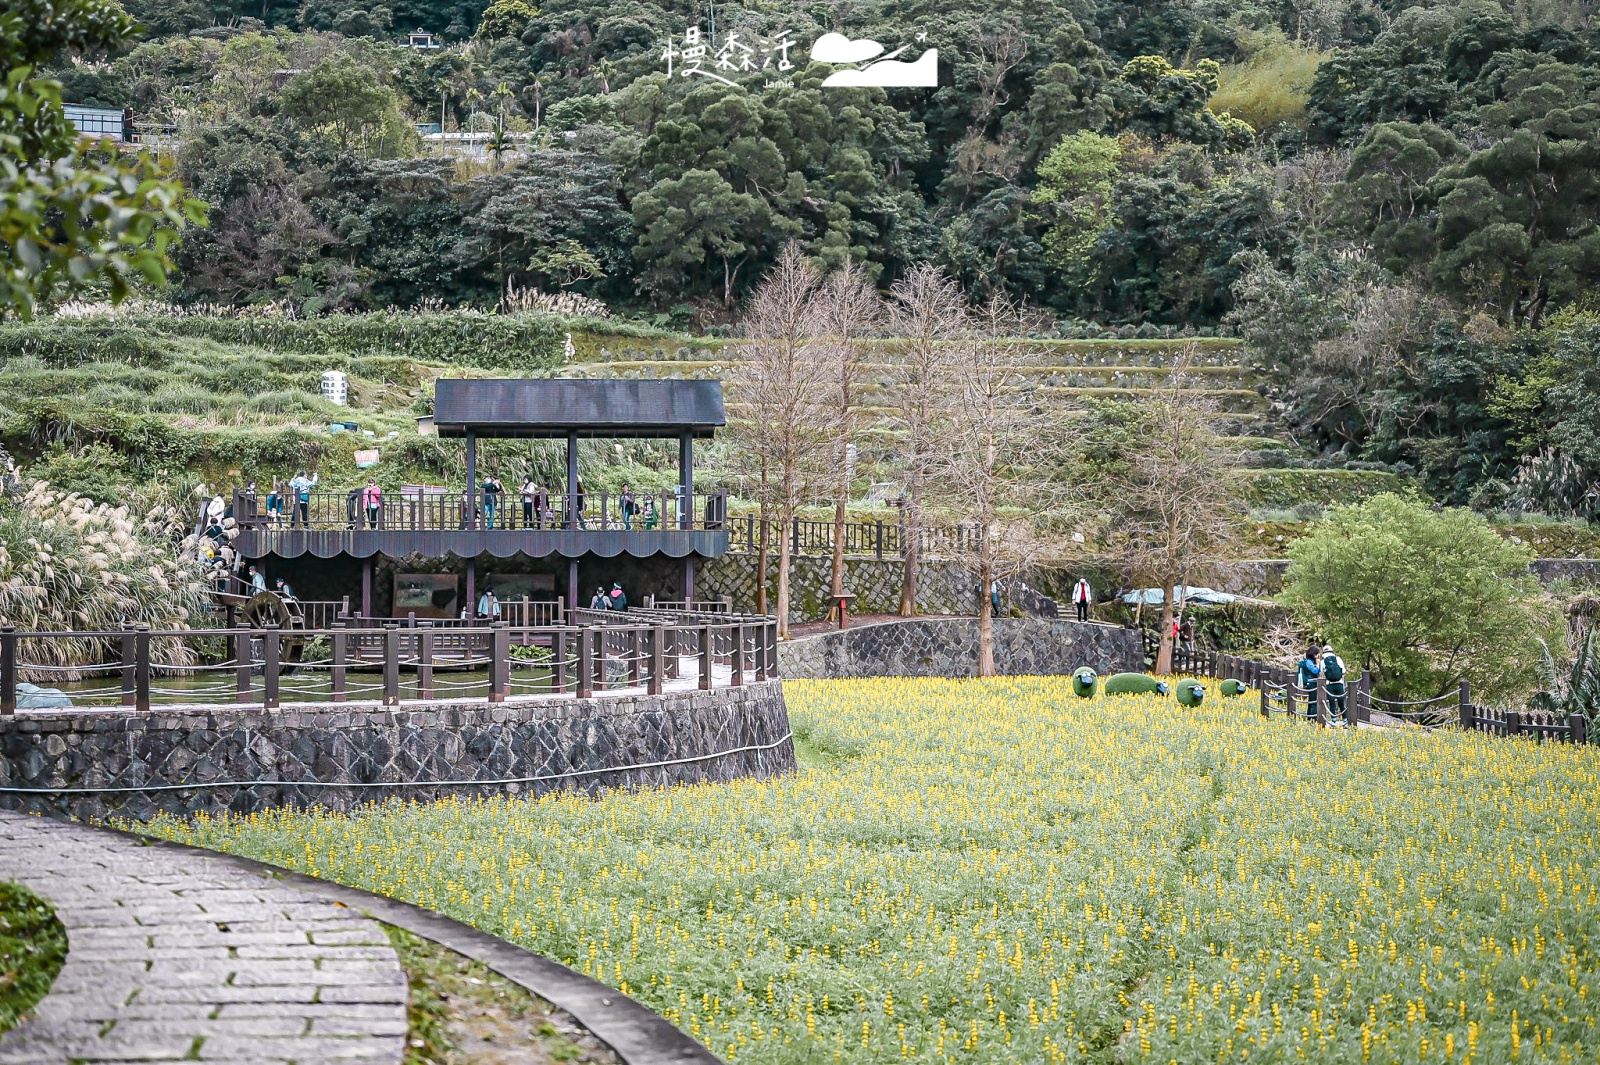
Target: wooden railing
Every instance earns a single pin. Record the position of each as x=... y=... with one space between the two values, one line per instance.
x=1280 y=692
x=465 y=510
x=270 y=666
x=877 y=539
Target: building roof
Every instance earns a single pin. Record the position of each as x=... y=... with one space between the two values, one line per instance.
x=554 y=407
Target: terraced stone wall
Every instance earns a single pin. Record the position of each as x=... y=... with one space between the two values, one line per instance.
x=341 y=757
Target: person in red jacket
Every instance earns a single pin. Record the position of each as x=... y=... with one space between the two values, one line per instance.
x=372 y=501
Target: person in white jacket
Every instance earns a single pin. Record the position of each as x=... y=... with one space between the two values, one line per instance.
x=1082 y=596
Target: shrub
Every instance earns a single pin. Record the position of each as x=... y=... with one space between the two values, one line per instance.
x=1422 y=598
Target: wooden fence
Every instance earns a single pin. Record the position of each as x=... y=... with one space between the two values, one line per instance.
x=1281 y=693
x=269 y=665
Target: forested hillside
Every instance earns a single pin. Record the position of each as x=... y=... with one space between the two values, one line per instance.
x=1393 y=203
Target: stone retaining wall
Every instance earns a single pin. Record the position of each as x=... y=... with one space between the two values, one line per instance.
x=942 y=587
x=396 y=753
x=948 y=647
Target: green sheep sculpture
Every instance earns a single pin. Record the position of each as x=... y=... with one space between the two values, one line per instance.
x=1231 y=687
x=1191 y=693
x=1084 y=682
x=1135 y=684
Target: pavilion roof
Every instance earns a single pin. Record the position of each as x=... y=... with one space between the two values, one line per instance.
x=556 y=406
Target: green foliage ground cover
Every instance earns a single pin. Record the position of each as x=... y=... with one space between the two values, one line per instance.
x=32 y=947
x=1000 y=871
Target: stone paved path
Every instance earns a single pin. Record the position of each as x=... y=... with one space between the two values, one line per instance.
x=180 y=957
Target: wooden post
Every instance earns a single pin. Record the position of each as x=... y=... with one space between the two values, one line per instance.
x=878 y=546
x=128 y=693
x=602 y=636
x=633 y=657
x=341 y=654
x=1288 y=695
x=1266 y=709
x=1513 y=723
x=1578 y=728
x=738 y=655
x=499 y=662
x=244 y=645
x=558 y=656
x=658 y=666
x=671 y=652
x=585 y=662
x=707 y=657
x=425 y=663
x=772 y=649
x=1363 y=703
x=8 y=670
x=391 y=665
x=1467 y=716
x=271 y=645
x=794 y=541
x=1320 y=695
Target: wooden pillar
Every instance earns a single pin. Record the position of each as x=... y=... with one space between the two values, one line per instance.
x=585 y=662
x=8 y=670
x=366 y=587
x=688 y=579
x=341 y=648
x=472 y=480
x=127 y=664
x=472 y=589
x=391 y=665
x=499 y=661
x=686 y=479
x=1466 y=711
x=269 y=667
x=425 y=662
x=707 y=657
x=657 y=671
x=569 y=512
x=572 y=584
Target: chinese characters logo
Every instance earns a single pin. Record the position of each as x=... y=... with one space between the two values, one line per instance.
x=742 y=54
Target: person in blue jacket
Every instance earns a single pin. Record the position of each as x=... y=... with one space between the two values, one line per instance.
x=1307 y=672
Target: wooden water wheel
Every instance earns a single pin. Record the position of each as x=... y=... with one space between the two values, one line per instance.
x=270 y=608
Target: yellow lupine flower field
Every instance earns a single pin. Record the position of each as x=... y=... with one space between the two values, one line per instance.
x=998 y=871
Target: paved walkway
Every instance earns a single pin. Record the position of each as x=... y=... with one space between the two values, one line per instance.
x=177 y=956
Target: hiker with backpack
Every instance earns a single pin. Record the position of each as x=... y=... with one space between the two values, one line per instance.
x=1333 y=674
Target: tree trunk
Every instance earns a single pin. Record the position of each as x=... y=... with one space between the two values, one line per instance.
x=840 y=499
x=783 y=587
x=911 y=524
x=986 y=621
x=1164 y=655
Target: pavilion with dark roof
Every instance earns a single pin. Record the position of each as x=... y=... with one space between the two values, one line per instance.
x=570 y=542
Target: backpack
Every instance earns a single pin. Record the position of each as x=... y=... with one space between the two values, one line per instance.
x=1333 y=669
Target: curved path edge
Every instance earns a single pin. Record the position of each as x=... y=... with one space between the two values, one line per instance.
x=636 y=1033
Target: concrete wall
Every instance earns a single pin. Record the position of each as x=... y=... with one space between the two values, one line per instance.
x=949 y=648
x=400 y=751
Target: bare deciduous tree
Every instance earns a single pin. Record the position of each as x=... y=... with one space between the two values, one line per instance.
x=849 y=305
x=1175 y=491
x=994 y=463
x=926 y=310
x=786 y=420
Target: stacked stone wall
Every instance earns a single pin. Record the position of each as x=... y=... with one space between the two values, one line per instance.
x=948 y=647
x=340 y=756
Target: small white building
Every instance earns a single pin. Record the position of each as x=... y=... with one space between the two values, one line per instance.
x=336 y=387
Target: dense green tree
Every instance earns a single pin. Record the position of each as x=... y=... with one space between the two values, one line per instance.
x=554 y=201
x=690 y=225
x=1422 y=598
x=346 y=101
x=71 y=214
